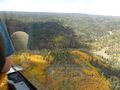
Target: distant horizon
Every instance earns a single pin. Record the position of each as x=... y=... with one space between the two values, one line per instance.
x=94 y=7
x=62 y=13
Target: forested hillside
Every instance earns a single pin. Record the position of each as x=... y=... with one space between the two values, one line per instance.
x=68 y=45
x=85 y=28
x=92 y=26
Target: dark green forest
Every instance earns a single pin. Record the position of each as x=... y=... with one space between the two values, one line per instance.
x=84 y=28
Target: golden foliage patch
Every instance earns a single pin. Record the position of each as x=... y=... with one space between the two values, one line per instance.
x=45 y=76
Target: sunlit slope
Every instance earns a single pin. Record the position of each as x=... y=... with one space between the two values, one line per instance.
x=3 y=81
x=69 y=70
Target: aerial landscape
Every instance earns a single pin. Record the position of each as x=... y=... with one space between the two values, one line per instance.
x=66 y=51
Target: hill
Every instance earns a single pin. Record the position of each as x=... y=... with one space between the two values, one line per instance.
x=93 y=34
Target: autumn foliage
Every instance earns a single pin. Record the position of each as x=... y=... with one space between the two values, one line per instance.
x=45 y=75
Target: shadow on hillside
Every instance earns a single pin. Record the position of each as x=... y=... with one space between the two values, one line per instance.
x=107 y=71
x=43 y=35
x=16 y=25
